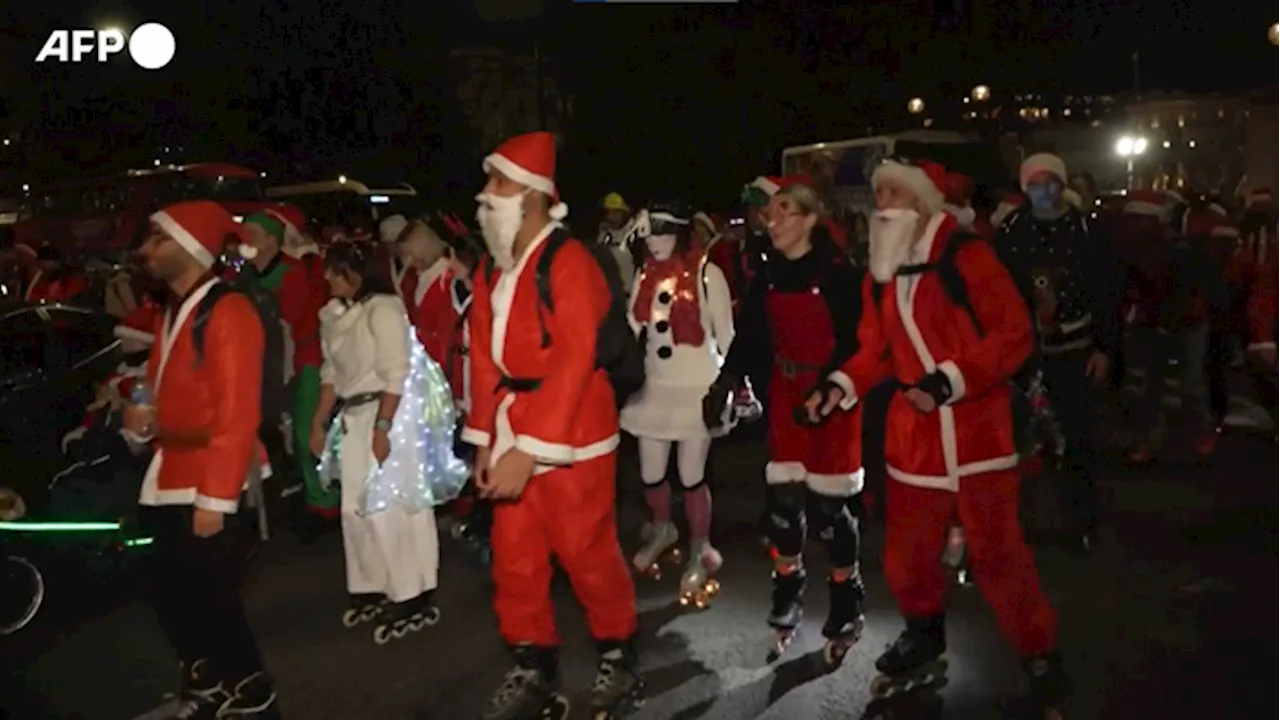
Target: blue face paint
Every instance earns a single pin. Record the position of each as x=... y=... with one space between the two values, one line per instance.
x=1044 y=195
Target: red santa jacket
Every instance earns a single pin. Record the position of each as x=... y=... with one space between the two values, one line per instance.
x=918 y=330
x=1263 y=302
x=64 y=287
x=300 y=302
x=431 y=310
x=571 y=415
x=208 y=412
x=721 y=252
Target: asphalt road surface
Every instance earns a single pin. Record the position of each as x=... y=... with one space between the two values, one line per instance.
x=1174 y=616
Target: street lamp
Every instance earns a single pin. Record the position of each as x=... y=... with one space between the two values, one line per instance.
x=1129 y=148
x=915 y=106
x=980 y=93
x=1273 y=33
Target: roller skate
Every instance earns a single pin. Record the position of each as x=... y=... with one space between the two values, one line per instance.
x=787 y=611
x=1050 y=689
x=914 y=661
x=528 y=691
x=363 y=608
x=844 y=620
x=252 y=699
x=617 y=689
x=697 y=587
x=201 y=694
x=955 y=555
x=400 y=619
x=661 y=542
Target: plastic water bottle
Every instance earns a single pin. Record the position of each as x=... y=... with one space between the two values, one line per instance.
x=141 y=394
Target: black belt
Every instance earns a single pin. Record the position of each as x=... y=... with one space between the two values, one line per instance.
x=519 y=384
x=355 y=401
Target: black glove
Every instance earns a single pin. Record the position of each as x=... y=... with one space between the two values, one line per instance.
x=822 y=390
x=717 y=400
x=938 y=386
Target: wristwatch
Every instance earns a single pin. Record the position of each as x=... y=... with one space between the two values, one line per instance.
x=382 y=424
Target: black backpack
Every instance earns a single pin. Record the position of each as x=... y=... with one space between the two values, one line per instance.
x=276 y=345
x=618 y=351
x=953 y=285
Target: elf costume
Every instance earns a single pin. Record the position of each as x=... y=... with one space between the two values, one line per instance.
x=300 y=301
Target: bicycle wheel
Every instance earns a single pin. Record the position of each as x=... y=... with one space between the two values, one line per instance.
x=21 y=593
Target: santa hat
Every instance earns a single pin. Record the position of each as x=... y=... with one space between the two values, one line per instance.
x=390 y=228
x=1148 y=203
x=705 y=220
x=767 y=185
x=1073 y=198
x=1042 y=163
x=530 y=160
x=1260 y=196
x=293 y=220
x=140 y=325
x=200 y=227
x=957 y=189
x=1010 y=202
x=924 y=178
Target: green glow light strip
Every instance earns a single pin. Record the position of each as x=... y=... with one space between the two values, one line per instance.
x=59 y=526
x=139 y=542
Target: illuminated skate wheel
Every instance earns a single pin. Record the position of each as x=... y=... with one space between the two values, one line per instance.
x=675 y=556
x=712 y=588
x=653 y=572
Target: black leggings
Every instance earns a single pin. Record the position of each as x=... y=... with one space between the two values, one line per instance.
x=195 y=590
x=790 y=507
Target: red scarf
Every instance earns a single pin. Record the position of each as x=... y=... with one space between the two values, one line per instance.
x=686 y=315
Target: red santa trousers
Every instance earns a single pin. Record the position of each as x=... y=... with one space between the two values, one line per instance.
x=999 y=559
x=568 y=512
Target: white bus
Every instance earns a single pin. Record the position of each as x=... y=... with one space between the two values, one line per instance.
x=842 y=170
x=345 y=201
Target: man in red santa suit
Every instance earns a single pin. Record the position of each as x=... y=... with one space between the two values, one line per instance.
x=425 y=256
x=545 y=423
x=203 y=416
x=950 y=440
x=54 y=281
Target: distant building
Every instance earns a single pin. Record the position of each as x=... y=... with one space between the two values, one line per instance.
x=504 y=95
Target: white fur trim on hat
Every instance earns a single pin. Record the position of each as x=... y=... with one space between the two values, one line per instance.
x=765 y=185
x=1042 y=162
x=1137 y=207
x=25 y=249
x=514 y=172
x=183 y=238
x=927 y=193
x=390 y=228
x=963 y=215
x=124 y=332
x=1217 y=209
x=559 y=211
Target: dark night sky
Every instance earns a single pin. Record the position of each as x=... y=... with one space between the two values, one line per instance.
x=696 y=97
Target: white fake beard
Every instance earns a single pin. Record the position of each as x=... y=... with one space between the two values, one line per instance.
x=661 y=246
x=499 y=219
x=890 y=235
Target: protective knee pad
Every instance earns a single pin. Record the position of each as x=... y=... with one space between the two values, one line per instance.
x=787 y=526
x=834 y=516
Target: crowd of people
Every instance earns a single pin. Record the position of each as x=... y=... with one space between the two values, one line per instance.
x=403 y=372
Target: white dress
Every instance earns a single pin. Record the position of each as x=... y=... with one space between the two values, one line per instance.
x=391 y=544
x=669 y=406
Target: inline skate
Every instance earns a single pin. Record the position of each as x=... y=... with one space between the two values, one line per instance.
x=363 y=608
x=402 y=618
x=201 y=694
x=845 y=619
x=662 y=542
x=529 y=690
x=914 y=661
x=697 y=586
x=617 y=689
x=788 y=609
x=1050 y=689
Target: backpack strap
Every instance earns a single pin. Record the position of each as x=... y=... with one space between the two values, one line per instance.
x=204 y=310
x=953 y=282
x=542 y=278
